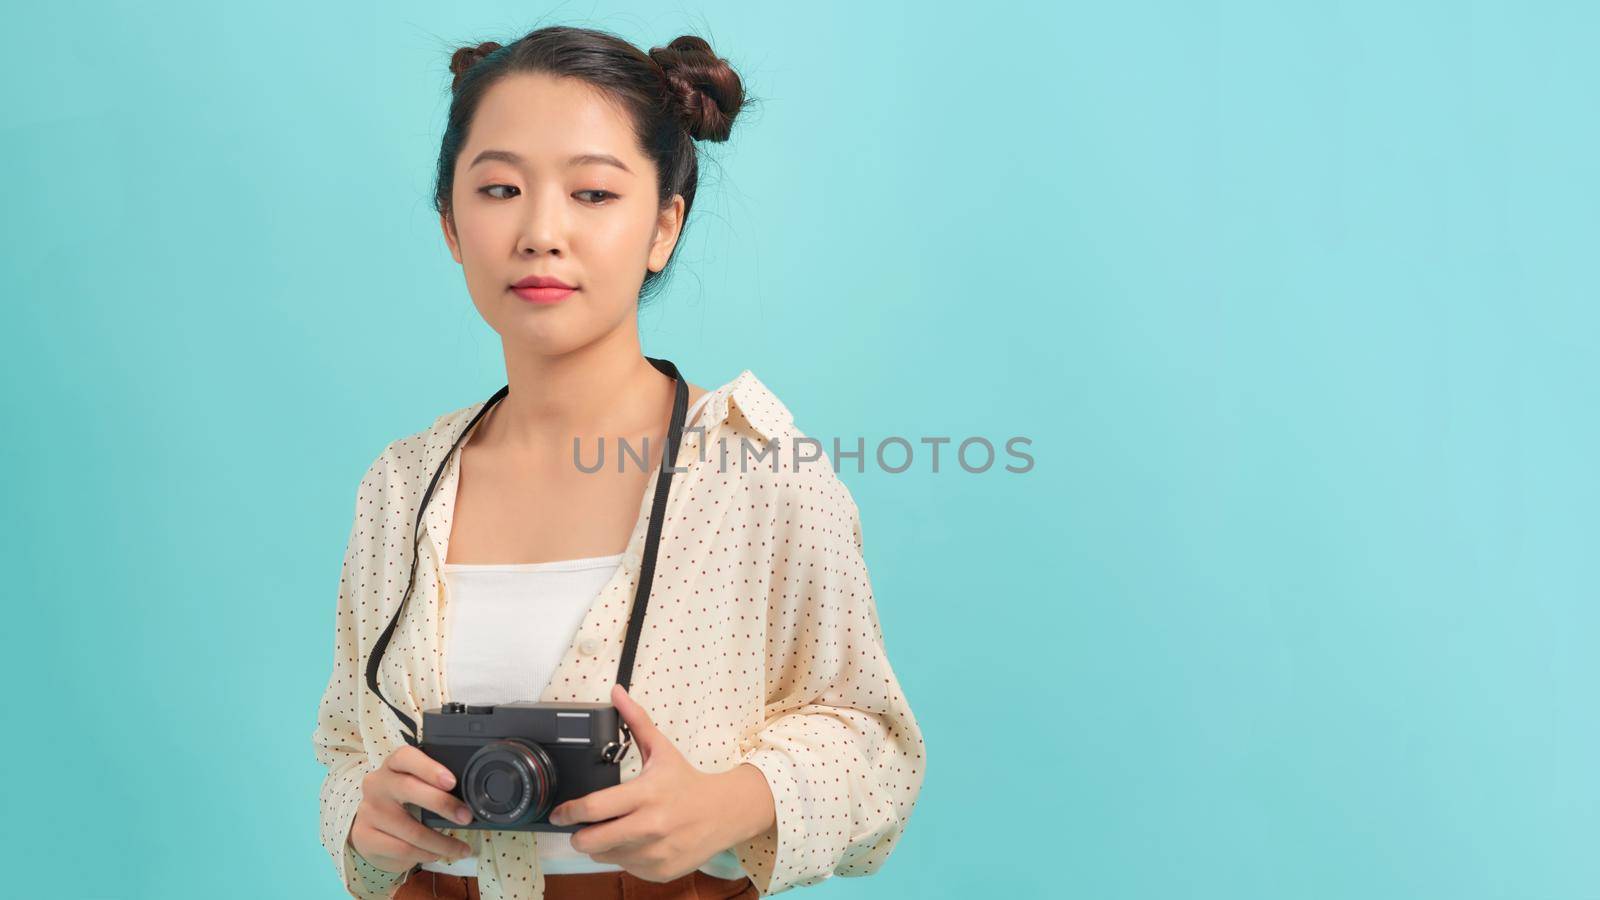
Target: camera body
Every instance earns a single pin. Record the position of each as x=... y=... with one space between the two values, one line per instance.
x=514 y=762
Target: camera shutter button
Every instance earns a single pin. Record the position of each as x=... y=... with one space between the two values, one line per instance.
x=588 y=646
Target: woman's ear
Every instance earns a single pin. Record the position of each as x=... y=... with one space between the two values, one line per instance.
x=449 y=237
x=669 y=224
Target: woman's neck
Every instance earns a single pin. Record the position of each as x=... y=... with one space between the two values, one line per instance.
x=604 y=389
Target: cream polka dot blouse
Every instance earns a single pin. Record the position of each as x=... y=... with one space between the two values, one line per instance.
x=761 y=644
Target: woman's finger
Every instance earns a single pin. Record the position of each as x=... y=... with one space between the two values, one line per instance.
x=411 y=789
x=412 y=761
x=396 y=822
x=617 y=834
x=386 y=851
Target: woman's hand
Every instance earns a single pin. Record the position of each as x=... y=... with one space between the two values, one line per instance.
x=672 y=817
x=384 y=831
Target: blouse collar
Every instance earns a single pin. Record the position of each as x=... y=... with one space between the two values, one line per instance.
x=756 y=405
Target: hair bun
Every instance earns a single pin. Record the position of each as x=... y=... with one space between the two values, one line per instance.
x=464 y=59
x=703 y=87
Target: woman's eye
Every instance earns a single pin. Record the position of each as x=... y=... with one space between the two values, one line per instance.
x=601 y=197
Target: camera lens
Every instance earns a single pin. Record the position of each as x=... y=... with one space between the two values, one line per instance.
x=509 y=782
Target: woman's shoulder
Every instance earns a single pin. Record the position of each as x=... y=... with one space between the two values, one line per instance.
x=411 y=459
x=747 y=397
x=753 y=424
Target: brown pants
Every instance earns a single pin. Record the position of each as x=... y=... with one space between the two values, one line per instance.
x=697 y=885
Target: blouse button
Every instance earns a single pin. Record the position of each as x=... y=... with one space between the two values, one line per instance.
x=588 y=646
x=631 y=559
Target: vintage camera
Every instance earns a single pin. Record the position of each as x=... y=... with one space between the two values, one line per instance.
x=514 y=762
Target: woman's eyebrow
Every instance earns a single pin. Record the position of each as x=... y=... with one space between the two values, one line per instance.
x=581 y=159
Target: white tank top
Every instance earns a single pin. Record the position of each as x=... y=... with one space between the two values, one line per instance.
x=507 y=628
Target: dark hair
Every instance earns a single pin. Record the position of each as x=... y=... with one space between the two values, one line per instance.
x=674 y=95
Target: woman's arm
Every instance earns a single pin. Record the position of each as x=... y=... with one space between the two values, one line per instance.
x=337 y=738
x=840 y=749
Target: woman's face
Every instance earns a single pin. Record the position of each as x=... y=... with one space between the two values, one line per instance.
x=534 y=194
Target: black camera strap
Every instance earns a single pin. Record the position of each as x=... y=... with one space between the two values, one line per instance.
x=647 y=564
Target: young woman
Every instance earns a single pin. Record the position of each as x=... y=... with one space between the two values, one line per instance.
x=767 y=743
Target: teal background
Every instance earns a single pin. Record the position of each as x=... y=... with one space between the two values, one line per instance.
x=1296 y=302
